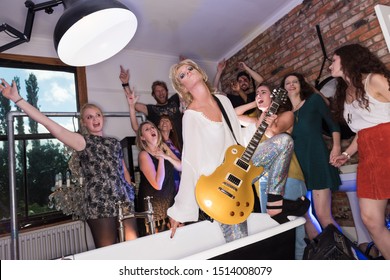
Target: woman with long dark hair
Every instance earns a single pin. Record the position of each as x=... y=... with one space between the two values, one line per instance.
x=362 y=98
x=313 y=155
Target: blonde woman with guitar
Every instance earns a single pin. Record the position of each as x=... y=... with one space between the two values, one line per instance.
x=207 y=134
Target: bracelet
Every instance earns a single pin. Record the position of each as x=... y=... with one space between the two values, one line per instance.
x=346 y=154
x=20 y=99
x=125 y=85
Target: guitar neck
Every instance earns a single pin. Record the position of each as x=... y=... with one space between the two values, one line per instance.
x=254 y=142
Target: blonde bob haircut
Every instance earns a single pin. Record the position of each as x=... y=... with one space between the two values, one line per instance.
x=176 y=82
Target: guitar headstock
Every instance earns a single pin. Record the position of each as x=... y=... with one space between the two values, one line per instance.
x=279 y=95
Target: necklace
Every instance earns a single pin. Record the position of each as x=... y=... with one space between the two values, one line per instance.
x=296 y=110
x=299 y=105
x=296 y=114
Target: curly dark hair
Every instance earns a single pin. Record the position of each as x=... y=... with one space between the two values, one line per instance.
x=306 y=89
x=355 y=60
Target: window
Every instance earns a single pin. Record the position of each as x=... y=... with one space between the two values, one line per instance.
x=51 y=86
x=383 y=13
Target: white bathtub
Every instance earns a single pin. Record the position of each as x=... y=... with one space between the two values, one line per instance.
x=204 y=240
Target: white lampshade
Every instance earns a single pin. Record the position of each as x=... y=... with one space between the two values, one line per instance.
x=90 y=32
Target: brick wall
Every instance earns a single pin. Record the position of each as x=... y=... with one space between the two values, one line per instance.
x=292 y=44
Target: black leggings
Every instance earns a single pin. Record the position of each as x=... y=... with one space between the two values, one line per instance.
x=105 y=230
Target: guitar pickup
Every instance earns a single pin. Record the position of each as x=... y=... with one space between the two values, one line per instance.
x=226 y=193
x=230 y=186
x=234 y=180
x=242 y=164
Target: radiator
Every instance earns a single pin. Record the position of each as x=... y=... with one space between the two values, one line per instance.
x=49 y=243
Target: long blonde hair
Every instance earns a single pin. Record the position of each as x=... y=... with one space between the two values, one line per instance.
x=141 y=144
x=176 y=83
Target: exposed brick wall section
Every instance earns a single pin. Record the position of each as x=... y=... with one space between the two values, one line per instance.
x=292 y=44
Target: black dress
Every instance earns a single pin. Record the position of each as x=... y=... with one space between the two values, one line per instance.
x=161 y=199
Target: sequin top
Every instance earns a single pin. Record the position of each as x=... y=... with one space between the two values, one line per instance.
x=105 y=183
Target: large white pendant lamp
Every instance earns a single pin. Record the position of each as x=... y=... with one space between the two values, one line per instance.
x=91 y=31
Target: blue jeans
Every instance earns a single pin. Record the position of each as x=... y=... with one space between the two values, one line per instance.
x=293 y=190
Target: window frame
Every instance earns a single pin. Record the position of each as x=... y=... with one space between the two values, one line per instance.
x=81 y=77
x=81 y=89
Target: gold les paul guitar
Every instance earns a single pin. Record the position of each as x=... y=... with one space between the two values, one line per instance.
x=226 y=195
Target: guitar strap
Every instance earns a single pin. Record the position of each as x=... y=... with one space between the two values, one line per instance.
x=225 y=116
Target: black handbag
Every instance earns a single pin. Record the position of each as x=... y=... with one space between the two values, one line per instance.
x=331 y=244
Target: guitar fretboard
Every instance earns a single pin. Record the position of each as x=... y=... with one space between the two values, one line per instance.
x=254 y=142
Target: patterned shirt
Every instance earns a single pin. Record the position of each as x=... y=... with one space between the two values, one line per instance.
x=105 y=183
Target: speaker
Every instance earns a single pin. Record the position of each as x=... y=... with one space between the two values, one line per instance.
x=331 y=244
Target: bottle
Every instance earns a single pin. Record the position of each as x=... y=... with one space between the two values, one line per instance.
x=55 y=183
x=59 y=179
x=67 y=176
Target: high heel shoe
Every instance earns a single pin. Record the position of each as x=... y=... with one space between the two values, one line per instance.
x=291 y=208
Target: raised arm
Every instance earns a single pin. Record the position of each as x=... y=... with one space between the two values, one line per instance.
x=240 y=110
x=256 y=76
x=221 y=66
x=245 y=120
x=72 y=139
x=131 y=101
x=124 y=76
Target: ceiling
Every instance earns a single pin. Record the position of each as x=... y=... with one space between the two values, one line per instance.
x=206 y=29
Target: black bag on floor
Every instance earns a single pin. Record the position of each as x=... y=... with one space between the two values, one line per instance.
x=331 y=244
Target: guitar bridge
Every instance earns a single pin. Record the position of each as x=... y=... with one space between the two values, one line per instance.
x=226 y=193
